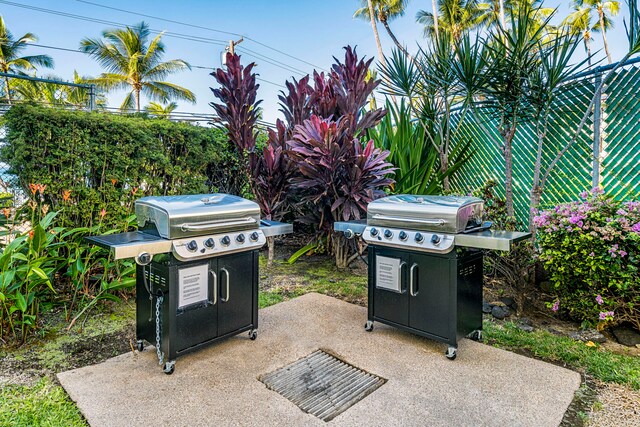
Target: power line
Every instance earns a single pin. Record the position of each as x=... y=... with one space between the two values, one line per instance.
x=112 y=23
x=181 y=36
x=202 y=28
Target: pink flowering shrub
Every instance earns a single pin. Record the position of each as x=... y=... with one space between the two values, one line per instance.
x=591 y=249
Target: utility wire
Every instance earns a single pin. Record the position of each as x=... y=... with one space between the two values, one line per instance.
x=201 y=67
x=181 y=36
x=202 y=28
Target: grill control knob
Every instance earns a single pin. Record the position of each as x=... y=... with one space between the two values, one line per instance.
x=419 y=238
x=435 y=239
x=210 y=243
x=192 y=246
x=373 y=232
x=225 y=241
x=254 y=236
x=403 y=236
x=240 y=238
x=388 y=234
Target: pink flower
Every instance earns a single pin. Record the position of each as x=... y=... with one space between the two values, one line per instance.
x=636 y=228
x=592 y=254
x=556 y=306
x=606 y=315
x=599 y=300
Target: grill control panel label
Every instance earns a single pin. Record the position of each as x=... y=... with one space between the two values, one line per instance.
x=193 y=285
x=388 y=273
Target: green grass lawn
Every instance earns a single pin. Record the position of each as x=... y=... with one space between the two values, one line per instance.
x=594 y=360
x=44 y=405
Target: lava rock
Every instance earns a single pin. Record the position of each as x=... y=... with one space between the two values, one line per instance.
x=486 y=307
x=526 y=328
x=509 y=302
x=588 y=335
x=500 y=312
x=626 y=336
x=554 y=331
x=525 y=321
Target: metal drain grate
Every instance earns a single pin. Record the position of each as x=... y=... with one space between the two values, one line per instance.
x=322 y=385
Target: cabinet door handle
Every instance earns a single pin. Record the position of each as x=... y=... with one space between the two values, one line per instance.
x=412 y=284
x=214 y=276
x=226 y=284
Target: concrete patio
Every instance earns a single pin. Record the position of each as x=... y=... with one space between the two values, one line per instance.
x=218 y=385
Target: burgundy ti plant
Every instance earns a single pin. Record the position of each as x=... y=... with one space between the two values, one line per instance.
x=338 y=175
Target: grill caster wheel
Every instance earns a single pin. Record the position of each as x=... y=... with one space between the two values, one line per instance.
x=368 y=326
x=476 y=335
x=253 y=334
x=140 y=345
x=451 y=353
x=169 y=367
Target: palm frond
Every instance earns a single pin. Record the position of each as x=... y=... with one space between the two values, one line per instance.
x=165 y=91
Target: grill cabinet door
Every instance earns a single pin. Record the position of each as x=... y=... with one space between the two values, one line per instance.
x=389 y=304
x=197 y=322
x=235 y=291
x=429 y=298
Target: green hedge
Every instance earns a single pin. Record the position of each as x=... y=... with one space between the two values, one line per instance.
x=107 y=160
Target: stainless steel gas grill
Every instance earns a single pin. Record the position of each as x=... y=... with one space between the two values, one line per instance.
x=425 y=264
x=197 y=274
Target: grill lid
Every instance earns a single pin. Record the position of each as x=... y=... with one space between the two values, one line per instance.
x=445 y=214
x=174 y=217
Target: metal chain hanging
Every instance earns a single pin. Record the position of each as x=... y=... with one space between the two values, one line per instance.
x=160 y=354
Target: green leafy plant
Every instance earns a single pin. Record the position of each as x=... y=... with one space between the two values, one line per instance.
x=591 y=249
x=27 y=265
x=415 y=158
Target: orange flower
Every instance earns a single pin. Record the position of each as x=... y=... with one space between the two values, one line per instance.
x=34 y=188
x=41 y=188
x=114 y=181
x=6 y=212
x=31 y=233
x=103 y=213
x=134 y=190
x=45 y=209
x=33 y=205
x=66 y=194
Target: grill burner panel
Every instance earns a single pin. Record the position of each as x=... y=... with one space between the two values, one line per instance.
x=322 y=385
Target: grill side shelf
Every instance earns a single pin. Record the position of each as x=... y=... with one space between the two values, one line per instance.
x=131 y=244
x=491 y=239
x=275 y=228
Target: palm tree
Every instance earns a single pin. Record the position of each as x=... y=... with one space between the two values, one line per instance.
x=606 y=11
x=454 y=17
x=579 y=23
x=374 y=26
x=10 y=59
x=134 y=63
x=383 y=11
x=161 y=111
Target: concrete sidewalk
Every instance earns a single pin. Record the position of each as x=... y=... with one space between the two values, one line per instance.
x=218 y=385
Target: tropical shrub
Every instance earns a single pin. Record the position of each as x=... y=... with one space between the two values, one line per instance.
x=304 y=156
x=48 y=264
x=338 y=177
x=414 y=156
x=92 y=162
x=591 y=249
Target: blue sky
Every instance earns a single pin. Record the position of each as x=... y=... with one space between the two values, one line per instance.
x=310 y=31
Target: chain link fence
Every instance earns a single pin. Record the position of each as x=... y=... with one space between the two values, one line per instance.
x=606 y=153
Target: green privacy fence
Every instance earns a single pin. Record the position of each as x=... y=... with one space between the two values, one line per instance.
x=606 y=153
